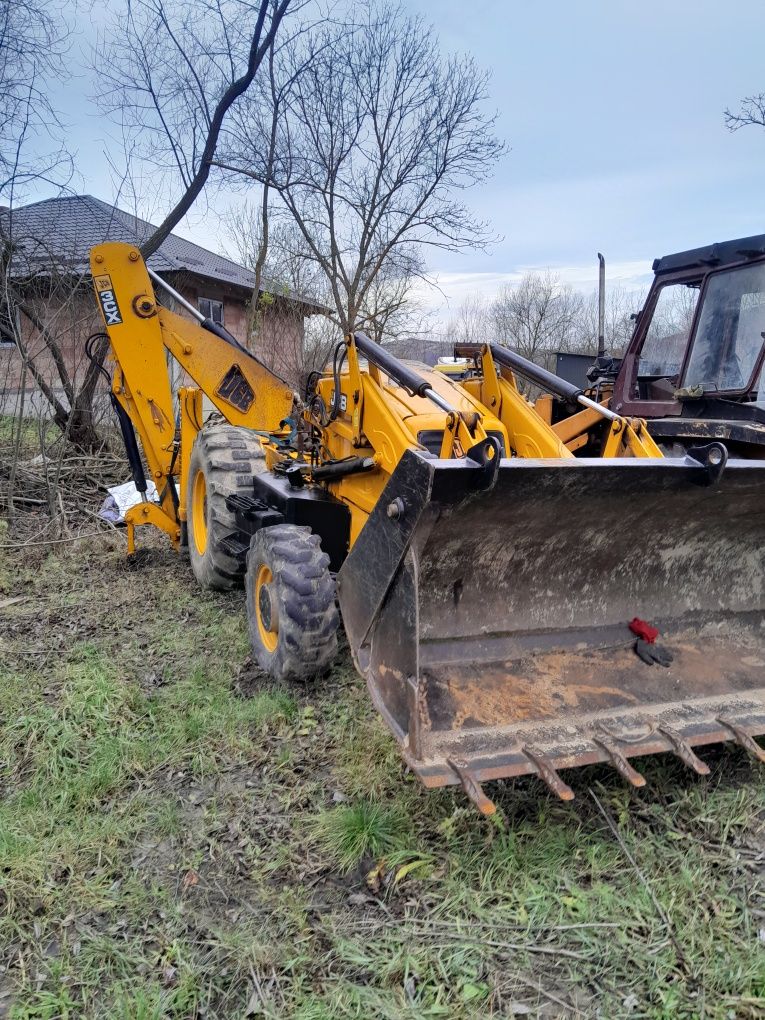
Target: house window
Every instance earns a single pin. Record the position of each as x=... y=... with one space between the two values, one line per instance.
x=211 y=309
x=9 y=323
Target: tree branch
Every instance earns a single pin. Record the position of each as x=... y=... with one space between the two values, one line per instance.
x=236 y=89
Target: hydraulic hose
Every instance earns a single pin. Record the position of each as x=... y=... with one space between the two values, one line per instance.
x=131 y=445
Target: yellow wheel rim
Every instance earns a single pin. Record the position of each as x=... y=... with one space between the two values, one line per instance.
x=267 y=622
x=199 y=512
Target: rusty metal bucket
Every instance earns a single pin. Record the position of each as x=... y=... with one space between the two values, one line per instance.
x=487 y=608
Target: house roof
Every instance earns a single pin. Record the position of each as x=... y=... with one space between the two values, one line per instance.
x=65 y=229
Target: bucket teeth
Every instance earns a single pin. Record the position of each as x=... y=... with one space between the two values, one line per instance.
x=684 y=751
x=619 y=762
x=742 y=738
x=472 y=787
x=548 y=774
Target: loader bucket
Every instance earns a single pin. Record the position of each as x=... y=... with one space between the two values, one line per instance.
x=487 y=606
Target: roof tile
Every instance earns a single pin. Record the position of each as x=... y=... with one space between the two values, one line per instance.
x=65 y=229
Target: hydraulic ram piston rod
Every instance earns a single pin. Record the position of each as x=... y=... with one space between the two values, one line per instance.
x=403 y=374
x=206 y=323
x=548 y=380
x=194 y=312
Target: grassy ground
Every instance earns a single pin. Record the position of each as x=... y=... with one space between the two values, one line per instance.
x=180 y=838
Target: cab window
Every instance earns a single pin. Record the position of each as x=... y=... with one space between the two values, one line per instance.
x=663 y=350
x=729 y=337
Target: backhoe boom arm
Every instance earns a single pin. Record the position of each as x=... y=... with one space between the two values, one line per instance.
x=141 y=331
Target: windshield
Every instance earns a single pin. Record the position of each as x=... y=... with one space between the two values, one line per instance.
x=666 y=339
x=729 y=335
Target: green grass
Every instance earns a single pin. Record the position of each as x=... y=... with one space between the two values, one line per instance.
x=25 y=431
x=349 y=833
x=181 y=838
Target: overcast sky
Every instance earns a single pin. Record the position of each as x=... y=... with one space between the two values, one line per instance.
x=613 y=114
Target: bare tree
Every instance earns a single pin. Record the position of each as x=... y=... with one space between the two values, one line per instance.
x=285 y=269
x=173 y=74
x=33 y=41
x=390 y=309
x=39 y=295
x=173 y=77
x=284 y=261
x=538 y=316
x=377 y=135
x=472 y=321
x=300 y=341
x=283 y=264
x=619 y=324
x=49 y=312
x=751 y=111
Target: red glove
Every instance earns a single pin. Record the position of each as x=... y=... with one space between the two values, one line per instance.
x=643 y=630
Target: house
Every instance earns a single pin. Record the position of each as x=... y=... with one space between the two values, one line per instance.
x=46 y=249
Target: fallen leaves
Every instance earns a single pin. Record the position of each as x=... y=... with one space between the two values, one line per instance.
x=190 y=879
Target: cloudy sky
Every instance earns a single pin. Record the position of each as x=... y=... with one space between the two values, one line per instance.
x=612 y=111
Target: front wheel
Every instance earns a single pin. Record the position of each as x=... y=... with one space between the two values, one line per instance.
x=291 y=609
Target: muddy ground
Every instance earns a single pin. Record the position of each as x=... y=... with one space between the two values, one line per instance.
x=181 y=838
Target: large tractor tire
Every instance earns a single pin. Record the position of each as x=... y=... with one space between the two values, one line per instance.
x=291 y=608
x=223 y=460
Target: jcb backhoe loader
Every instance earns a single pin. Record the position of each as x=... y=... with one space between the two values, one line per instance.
x=484 y=575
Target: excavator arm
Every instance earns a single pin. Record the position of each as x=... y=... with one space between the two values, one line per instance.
x=142 y=333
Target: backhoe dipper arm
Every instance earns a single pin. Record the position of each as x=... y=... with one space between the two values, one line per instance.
x=140 y=331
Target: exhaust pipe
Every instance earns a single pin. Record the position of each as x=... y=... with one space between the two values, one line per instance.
x=601 y=308
x=603 y=368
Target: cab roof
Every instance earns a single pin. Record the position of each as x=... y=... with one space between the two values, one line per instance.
x=712 y=255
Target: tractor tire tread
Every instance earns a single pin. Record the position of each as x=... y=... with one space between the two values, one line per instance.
x=229 y=456
x=305 y=594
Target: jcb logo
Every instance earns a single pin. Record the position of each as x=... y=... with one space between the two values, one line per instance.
x=109 y=305
x=235 y=390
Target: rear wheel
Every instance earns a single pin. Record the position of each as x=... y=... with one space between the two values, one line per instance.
x=291 y=608
x=223 y=461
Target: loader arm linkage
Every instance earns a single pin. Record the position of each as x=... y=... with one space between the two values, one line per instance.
x=494 y=380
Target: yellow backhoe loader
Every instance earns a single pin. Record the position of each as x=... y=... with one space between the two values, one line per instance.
x=484 y=575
